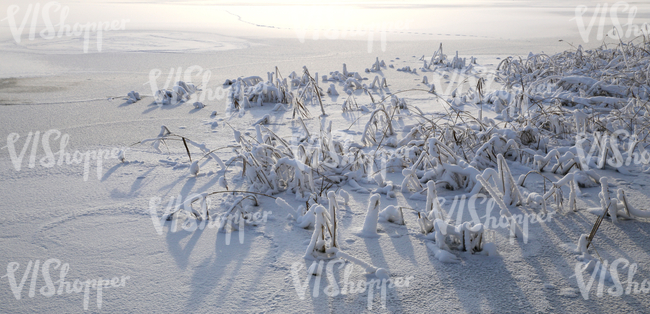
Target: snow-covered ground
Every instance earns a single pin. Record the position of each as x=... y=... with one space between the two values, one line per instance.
x=410 y=181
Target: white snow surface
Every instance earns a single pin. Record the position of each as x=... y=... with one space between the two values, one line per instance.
x=102 y=226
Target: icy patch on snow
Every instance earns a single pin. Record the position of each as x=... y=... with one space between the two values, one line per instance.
x=130 y=41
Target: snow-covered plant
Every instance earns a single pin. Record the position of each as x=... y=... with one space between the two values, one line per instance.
x=322 y=238
x=497 y=144
x=333 y=208
x=121 y=156
x=311 y=91
x=179 y=93
x=188 y=209
x=605 y=202
x=457 y=62
x=437 y=58
x=464 y=237
x=515 y=229
x=332 y=90
x=377 y=83
x=345 y=196
x=372 y=215
x=433 y=208
x=350 y=104
x=426 y=225
x=408 y=69
x=194 y=168
x=376 y=67
x=380 y=273
x=410 y=181
x=379 y=122
x=583 y=243
x=166 y=135
x=266 y=119
x=555 y=191
x=392 y=214
x=624 y=208
x=442 y=255
x=132 y=97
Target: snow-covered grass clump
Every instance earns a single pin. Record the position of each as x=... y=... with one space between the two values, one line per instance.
x=377 y=66
x=132 y=97
x=296 y=91
x=546 y=136
x=180 y=92
x=440 y=60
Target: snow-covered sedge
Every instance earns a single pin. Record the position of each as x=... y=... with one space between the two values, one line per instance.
x=493 y=222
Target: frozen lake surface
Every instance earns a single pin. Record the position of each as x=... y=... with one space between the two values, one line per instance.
x=102 y=216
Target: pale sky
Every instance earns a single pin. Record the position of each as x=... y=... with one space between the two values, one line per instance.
x=411 y=19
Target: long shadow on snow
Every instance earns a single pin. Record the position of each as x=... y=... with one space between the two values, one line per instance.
x=211 y=272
